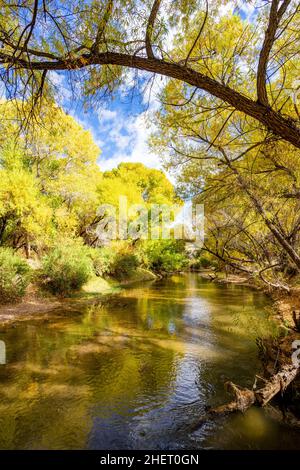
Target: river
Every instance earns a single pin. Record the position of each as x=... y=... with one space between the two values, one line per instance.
x=138 y=371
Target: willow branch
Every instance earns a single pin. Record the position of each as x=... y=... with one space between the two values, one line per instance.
x=198 y=35
x=150 y=27
x=275 y=17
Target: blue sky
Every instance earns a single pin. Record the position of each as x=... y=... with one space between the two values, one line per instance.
x=120 y=126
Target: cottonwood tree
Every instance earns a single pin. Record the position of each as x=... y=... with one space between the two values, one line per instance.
x=243 y=172
x=103 y=38
x=52 y=187
x=248 y=180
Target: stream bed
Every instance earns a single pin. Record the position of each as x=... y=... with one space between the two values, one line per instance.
x=139 y=371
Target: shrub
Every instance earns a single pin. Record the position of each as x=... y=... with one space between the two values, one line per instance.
x=165 y=255
x=170 y=262
x=66 y=269
x=204 y=261
x=124 y=264
x=14 y=276
x=103 y=260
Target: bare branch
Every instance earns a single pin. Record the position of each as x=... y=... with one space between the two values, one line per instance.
x=30 y=26
x=275 y=17
x=150 y=27
x=198 y=35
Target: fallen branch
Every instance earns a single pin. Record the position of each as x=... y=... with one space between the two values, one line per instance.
x=244 y=398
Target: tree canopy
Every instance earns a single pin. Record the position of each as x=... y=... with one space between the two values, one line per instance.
x=52 y=186
x=248 y=182
x=248 y=66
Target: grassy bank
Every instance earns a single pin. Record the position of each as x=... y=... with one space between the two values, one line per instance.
x=74 y=270
x=38 y=303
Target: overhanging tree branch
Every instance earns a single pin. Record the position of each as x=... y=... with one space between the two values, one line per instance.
x=272 y=120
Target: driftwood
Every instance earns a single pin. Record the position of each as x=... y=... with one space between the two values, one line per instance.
x=244 y=398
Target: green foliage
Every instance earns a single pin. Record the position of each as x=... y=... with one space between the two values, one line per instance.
x=14 y=276
x=164 y=255
x=51 y=184
x=148 y=185
x=121 y=259
x=66 y=268
x=124 y=265
x=204 y=261
x=248 y=185
x=51 y=190
x=49 y=178
x=103 y=260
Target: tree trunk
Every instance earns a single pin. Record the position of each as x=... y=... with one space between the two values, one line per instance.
x=260 y=209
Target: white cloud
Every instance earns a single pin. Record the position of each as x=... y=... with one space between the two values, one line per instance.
x=130 y=141
x=245 y=8
x=226 y=8
x=60 y=83
x=105 y=115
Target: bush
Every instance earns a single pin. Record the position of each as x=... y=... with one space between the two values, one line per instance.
x=204 y=261
x=66 y=269
x=103 y=260
x=124 y=264
x=14 y=276
x=170 y=262
x=165 y=255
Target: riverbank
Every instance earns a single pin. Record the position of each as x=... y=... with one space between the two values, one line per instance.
x=40 y=304
x=101 y=293
x=284 y=303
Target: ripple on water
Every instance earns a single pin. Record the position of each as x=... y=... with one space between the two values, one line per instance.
x=138 y=372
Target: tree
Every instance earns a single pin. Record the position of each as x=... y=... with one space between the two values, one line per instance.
x=152 y=185
x=248 y=181
x=52 y=187
x=49 y=177
x=104 y=37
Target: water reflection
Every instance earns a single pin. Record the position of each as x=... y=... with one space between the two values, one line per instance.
x=137 y=372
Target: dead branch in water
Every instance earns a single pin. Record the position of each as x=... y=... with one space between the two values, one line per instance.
x=244 y=398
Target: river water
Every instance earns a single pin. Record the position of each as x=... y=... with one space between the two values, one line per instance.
x=139 y=372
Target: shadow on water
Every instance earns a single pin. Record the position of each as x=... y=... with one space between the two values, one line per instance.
x=138 y=371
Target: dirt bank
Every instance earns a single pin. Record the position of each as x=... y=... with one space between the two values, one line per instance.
x=39 y=305
x=286 y=310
